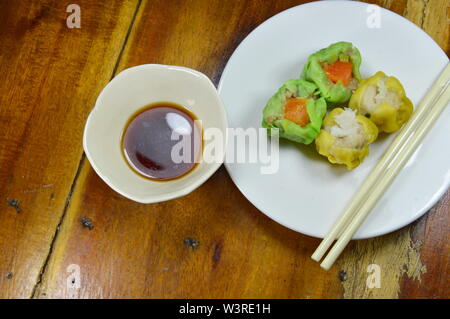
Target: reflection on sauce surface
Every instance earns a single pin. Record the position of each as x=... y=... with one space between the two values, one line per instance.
x=147 y=141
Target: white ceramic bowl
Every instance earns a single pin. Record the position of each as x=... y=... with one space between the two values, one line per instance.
x=129 y=91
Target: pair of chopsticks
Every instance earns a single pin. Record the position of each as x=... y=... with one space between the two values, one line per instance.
x=397 y=155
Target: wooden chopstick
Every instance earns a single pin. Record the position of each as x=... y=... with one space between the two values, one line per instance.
x=393 y=149
x=392 y=172
x=409 y=134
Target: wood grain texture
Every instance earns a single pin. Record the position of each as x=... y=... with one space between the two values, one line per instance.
x=239 y=248
x=432 y=233
x=137 y=250
x=212 y=243
x=50 y=77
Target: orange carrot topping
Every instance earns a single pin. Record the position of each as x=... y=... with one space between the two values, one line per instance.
x=339 y=70
x=295 y=111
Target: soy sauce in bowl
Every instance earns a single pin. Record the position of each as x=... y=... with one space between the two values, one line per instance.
x=162 y=141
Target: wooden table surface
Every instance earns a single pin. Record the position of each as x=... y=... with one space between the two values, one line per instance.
x=210 y=244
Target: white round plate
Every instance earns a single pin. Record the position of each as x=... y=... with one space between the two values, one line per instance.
x=307 y=193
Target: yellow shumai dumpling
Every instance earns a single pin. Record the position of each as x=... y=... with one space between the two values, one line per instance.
x=383 y=99
x=345 y=137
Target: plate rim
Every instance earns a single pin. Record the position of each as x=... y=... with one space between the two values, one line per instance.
x=433 y=200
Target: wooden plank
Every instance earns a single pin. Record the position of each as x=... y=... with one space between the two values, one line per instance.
x=212 y=243
x=432 y=234
x=436 y=22
x=51 y=75
x=139 y=250
x=146 y=251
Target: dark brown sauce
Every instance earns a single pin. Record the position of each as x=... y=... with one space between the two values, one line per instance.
x=151 y=135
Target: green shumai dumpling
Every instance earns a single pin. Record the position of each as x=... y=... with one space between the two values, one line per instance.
x=296 y=111
x=335 y=71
